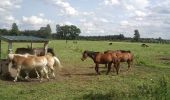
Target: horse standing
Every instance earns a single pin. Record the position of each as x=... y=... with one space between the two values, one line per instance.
x=100 y=58
x=123 y=56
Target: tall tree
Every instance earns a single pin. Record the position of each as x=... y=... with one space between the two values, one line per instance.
x=136 y=35
x=14 y=30
x=48 y=29
x=45 y=32
x=68 y=31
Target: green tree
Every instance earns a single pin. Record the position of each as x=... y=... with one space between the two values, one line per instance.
x=4 y=32
x=136 y=35
x=45 y=32
x=14 y=30
x=68 y=31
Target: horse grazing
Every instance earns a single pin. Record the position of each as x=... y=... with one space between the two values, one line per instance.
x=144 y=45
x=123 y=56
x=30 y=62
x=100 y=58
x=34 y=51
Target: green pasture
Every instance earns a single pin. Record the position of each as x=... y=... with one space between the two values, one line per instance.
x=147 y=80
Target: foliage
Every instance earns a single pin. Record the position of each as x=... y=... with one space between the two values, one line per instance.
x=45 y=32
x=67 y=31
x=136 y=35
x=14 y=29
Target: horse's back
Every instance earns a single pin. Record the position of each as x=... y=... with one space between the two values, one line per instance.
x=104 y=58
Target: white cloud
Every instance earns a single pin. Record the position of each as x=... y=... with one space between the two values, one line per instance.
x=41 y=14
x=111 y=2
x=140 y=13
x=35 y=21
x=124 y=23
x=6 y=12
x=65 y=7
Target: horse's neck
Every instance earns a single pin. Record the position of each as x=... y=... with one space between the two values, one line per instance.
x=92 y=55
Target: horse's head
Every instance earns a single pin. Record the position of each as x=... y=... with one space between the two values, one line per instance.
x=11 y=61
x=10 y=57
x=84 y=55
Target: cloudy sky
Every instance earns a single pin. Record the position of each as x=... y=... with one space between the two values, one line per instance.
x=93 y=17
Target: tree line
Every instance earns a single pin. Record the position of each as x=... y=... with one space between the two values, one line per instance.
x=62 y=32
x=72 y=32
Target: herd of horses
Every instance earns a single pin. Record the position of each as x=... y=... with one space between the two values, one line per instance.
x=28 y=59
x=108 y=58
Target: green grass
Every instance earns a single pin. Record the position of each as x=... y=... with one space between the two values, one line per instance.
x=148 y=79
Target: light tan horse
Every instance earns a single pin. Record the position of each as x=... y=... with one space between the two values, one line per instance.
x=29 y=62
x=53 y=61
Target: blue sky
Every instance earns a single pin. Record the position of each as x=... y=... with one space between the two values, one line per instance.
x=93 y=17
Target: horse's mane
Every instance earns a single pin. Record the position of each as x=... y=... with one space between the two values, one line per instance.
x=92 y=52
x=124 y=51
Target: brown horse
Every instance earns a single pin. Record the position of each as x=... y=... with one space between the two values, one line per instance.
x=100 y=58
x=123 y=56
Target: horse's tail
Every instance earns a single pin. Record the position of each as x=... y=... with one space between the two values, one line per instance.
x=57 y=62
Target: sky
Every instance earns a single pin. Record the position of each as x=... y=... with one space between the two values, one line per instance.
x=93 y=17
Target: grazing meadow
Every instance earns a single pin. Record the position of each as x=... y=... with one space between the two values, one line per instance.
x=149 y=77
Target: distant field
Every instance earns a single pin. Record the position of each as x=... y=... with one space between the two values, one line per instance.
x=148 y=79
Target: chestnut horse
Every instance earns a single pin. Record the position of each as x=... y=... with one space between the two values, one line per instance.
x=100 y=58
x=123 y=56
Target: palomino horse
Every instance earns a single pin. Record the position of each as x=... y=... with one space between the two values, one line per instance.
x=34 y=51
x=123 y=56
x=30 y=62
x=52 y=61
x=100 y=58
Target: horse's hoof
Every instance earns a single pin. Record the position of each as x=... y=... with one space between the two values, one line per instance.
x=14 y=80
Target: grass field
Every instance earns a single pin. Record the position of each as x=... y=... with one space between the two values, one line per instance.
x=148 y=78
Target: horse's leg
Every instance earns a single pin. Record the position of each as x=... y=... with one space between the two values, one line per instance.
x=18 y=72
x=109 y=67
x=41 y=77
x=27 y=75
x=97 y=69
x=52 y=71
x=129 y=63
x=46 y=73
x=53 y=74
x=117 y=67
x=38 y=76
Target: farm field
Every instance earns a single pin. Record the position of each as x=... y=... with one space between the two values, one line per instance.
x=149 y=77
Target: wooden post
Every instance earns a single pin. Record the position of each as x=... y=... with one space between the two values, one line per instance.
x=46 y=47
x=31 y=45
x=10 y=47
x=0 y=50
